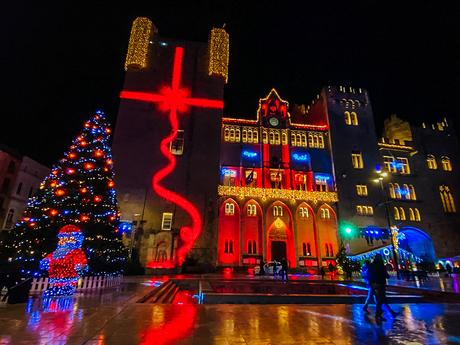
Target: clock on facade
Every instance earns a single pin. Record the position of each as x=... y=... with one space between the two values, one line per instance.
x=273 y=121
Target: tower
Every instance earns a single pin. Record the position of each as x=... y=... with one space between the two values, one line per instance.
x=166 y=143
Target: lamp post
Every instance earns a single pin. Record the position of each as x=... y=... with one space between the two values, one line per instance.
x=393 y=230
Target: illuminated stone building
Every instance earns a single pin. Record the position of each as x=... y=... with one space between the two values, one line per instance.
x=288 y=181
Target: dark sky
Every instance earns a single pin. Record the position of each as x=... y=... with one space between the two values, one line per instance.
x=61 y=62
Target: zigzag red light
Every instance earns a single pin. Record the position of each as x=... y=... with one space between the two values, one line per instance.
x=175 y=99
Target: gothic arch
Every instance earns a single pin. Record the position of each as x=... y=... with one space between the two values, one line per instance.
x=228 y=247
x=305 y=234
x=326 y=224
x=251 y=224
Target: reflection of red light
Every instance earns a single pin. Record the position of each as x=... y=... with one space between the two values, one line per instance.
x=228 y=272
x=180 y=322
x=175 y=99
x=250 y=271
x=162 y=264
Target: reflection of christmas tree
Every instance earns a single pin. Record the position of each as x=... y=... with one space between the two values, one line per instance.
x=79 y=190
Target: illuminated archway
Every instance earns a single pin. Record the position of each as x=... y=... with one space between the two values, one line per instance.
x=280 y=230
x=228 y=247
x=305 y=234
x=417 y=242
x=326 y=224
x=252 y=228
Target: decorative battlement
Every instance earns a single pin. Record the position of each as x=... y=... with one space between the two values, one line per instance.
x=438 y=126
x=394 y=144
x=270 y=193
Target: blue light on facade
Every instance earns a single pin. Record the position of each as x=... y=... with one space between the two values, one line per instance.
x=300 y=157
x=249 y=154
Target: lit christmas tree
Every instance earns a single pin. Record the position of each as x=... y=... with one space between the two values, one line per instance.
x=80 y=191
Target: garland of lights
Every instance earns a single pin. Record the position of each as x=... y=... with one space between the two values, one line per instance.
x=271 y=193
x=66 y=264
x=139 y=40
x=219 y=53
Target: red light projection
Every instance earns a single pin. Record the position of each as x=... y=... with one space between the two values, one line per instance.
x=175 y=99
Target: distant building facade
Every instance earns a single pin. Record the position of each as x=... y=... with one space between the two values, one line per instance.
x=20 y=177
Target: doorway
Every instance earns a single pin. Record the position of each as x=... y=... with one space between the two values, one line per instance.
x=278 y=250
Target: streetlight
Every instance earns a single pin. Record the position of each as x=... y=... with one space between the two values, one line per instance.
x=393 y=230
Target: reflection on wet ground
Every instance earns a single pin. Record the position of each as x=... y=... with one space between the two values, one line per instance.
x=115 y=318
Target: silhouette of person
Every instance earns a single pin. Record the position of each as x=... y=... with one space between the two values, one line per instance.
x=284 y=269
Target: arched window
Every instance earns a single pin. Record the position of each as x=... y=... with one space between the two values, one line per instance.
x=293 y=139
x=325 y=214
x=446 y=164
x=391 y=188
x=431 y=162
x=331 y=251
x=277 y=138
x=311 y=140
x=229 y=209
x=303 y=141
x=447 y=199
x=284 y=138
x=412 y=194
x=277 y=211
x=303 y=212
x=304 y=249
x=397 y=191
x=244 y=136
x=230 y=247
x=406 y=192
x=354 y=118
x=402 y=214
x=308 y=249
x=396 y=213
x=252 y=210
x=347 y=117
x=255 y=136
x=264 y=137
x=226 y=134
x=249 y=135
x=18 y=190
x=320 y=141
x=231 y=136
x=272 y=138
x=226 y=247
x=237 y=135
x=249 y=247
x=327 y=250
x=417 y=215
x=411 y=214
x=9 y=219
x=359 y=209
x=254 y=247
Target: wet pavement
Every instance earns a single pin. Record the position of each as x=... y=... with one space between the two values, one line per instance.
x=114 y=317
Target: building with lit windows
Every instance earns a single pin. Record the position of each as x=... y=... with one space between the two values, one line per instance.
x=289 y=181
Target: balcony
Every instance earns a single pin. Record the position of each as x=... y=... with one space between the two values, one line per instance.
x=270 y=193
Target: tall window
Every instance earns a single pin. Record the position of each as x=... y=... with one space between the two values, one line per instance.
x=301 y=181
x=357 y=160
x=325 y=213
x=277 y=211
x=166 y=222
x=264 y=136
x=405 y=192
x=9 y=219
x=402 y=214
x=417 y=215
x=176 y=147
x=321 y=183
x=446 y=164
x=228 y=247
x=354 y=118
x=229 y=177
x=251 y=177
x=414 y=214
x=397 y=191
x=347 y=117
x=284 y=138
x=252 y=247
x=447 y=199
x=303 y=139
x=252 y=210
x=304 y=249
x=403 y=165
x=303 y=212
x=364 y=210
x=229 y=209
x=391 y=188
x=276 y=178
x=316 y=140
x=18 y=190
x=412 y=195
x=361 y=189
x=389 y=164
x=431 y=162
x=396 y=213
x=411 y=214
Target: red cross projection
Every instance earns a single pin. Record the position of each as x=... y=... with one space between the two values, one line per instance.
x=175 y=99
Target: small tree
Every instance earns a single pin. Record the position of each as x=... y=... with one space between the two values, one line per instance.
x=348 y=266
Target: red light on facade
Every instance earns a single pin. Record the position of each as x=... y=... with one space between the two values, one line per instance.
x=175 y=99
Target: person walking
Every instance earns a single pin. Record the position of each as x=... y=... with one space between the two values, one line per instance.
x=262 y=267
x=449 y=269
x=370 y=291
x=322 y=271
x=331 y=269
x=284 y=269
x=378 y=276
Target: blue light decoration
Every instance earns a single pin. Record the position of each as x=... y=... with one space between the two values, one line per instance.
x=66 y=264
x=322 y=177
x=404 y=255
x=249 y=154
x=228 y=172
x=125 y=227
x=300 y=157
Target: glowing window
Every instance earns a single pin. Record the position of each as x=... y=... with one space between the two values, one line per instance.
x=412 y=195
x=361 y=189
x=402 y=214
x=431 y=162
x=389 y=164
x=277 y=211
x=166 y=222
x=252 y=210
x=396 y=213
x=226 y=134
x=417 y=215
x=293 y=139
x=403 y=165
x=255 y=136
x=303 y=140
x=277 y=138
x=321 y=183
x=411 y=214
x=237 y=135
x=311 y=140
x=303 y=212
x=231 y=136
x=347 y=118
x=447 y=199
x=249 y=140
x=300 y=181
x=325 y=213
x=176 y=147
x=229 y=209
x=354 y=118
x=244 y=135
x=364 y=210
x=284 y=138
x=357 y=160
x=397 y=191
x=446 y=164
x=272 y=138
x=264 y=137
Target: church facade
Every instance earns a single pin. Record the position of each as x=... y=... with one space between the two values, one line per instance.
x=287 y=181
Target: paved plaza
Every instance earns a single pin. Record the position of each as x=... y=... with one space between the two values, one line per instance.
x=114 y=317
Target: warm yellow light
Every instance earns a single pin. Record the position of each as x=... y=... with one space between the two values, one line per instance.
x=376 y=180
x=219 y=53
x=271 y=193
x=138 y=48
x=384 y=174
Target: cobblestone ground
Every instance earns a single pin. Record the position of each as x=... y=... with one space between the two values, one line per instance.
x=115 y=318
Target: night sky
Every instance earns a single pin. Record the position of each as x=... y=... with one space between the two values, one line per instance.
x=62 y=62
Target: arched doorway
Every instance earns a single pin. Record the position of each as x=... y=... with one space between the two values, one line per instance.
x=417 y=242
x=251 y=221
x=305 y=235
x=228 y=247
x=326 y=224
x=280 y=237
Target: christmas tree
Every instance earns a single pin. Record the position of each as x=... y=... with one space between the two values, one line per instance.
x=79 y=191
